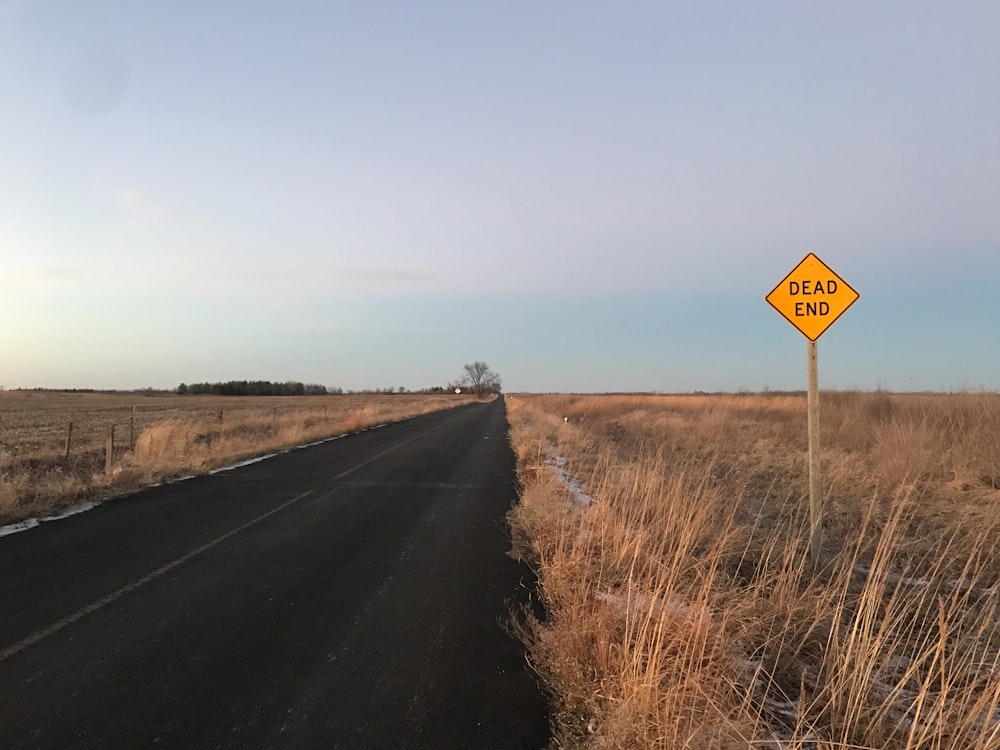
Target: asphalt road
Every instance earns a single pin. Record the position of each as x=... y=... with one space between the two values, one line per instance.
x=347 y=595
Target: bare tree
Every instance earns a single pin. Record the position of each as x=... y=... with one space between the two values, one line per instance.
x=480 y=378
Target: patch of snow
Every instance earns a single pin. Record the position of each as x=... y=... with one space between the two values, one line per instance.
x=258 y=459
x=247 y=462
x=13 y=528
x=31 y=523
x=952 y=585
x=309 y=445
x=637 y=599
x=893 y=578
x=81 y=508
x=573 y=483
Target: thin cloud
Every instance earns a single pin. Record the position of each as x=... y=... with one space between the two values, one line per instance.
x=373 y=274
x=52 y=274
x=306 y=275
x=137 y=205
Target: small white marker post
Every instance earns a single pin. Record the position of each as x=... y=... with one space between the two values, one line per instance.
x=811 y=297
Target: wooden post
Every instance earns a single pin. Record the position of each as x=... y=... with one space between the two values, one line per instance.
x=69 y=437
x=109 y=450
x=815 y=477
x=131 y=431
x=220 y=425
x=274 y=418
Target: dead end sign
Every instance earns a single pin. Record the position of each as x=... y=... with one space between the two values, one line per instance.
x=812 y=296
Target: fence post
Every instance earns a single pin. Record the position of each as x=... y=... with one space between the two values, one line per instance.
x=131 y=431
x=69 y=437
x=109 y=450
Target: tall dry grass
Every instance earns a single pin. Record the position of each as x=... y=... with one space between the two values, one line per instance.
x=682 y=608
x=172 y=436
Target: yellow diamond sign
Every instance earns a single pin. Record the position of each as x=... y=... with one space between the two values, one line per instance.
x=812 y=297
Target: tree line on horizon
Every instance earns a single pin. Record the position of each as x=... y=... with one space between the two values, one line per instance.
x=287 y=388
x=477 y=377
x=252 y=388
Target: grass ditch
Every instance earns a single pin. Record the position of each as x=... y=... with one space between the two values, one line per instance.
x=682 y=611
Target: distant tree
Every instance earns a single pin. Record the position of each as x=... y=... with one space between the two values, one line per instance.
x=480 y=379
x=253 y=388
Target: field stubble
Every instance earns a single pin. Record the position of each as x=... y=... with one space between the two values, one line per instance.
x=162 y=437
x=682 y=611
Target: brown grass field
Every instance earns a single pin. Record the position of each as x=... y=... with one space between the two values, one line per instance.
x=683 y=611
x=160 y=437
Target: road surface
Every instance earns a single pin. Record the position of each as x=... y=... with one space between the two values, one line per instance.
x=347 y=595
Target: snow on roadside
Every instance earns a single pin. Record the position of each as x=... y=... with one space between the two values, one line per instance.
x=780 y=710
x=246 y=462
x=780 y=713
x=30 y=523
x=637 y=600
x=894 y=579
x=13 y=528
x=569 y=480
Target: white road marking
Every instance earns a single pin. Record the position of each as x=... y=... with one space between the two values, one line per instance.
x=55 y=627
x=104 y=601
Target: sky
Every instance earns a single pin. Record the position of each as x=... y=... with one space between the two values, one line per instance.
x=587 y=196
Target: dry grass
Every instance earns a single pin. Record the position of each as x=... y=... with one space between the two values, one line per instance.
x=683 y=612
x=162 y=437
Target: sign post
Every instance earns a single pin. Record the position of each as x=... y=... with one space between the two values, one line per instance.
x=811 y=297
x=815 y=477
